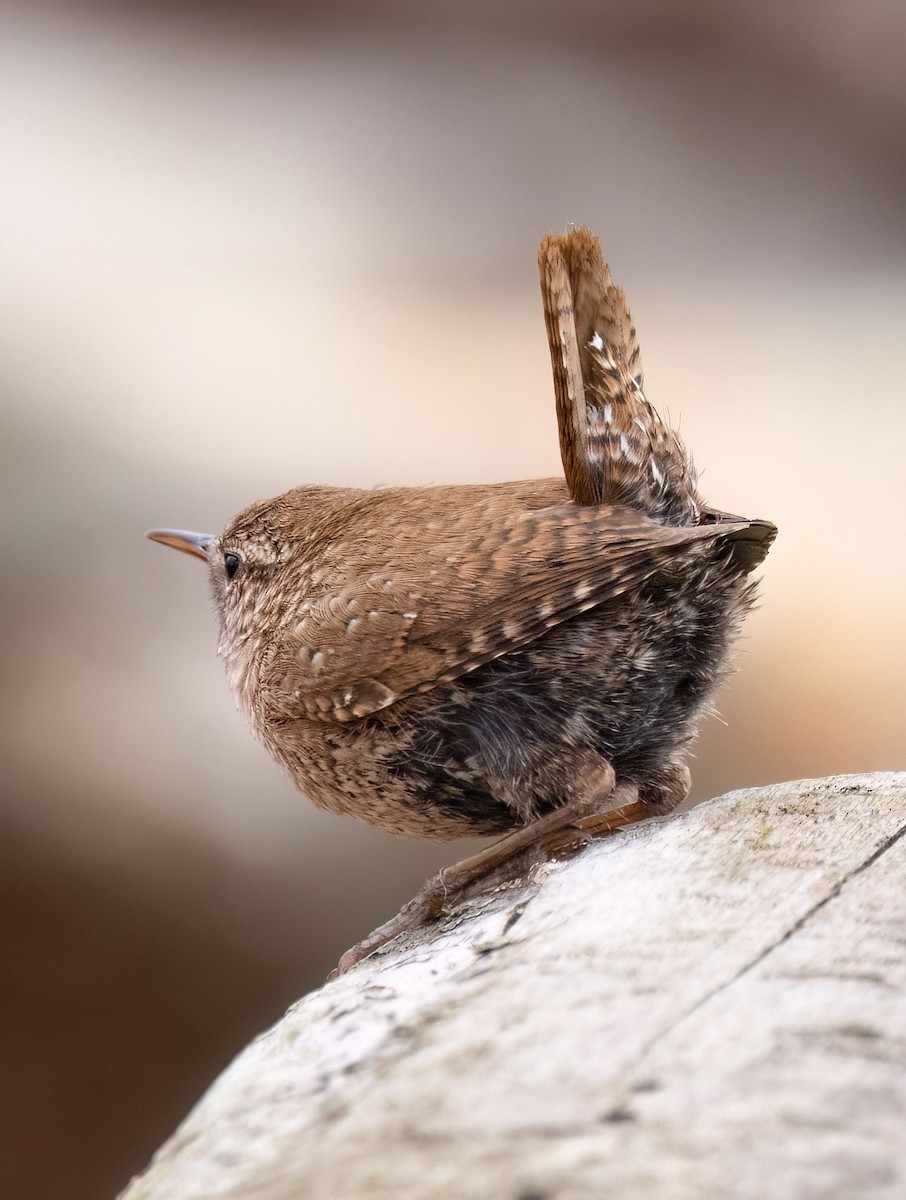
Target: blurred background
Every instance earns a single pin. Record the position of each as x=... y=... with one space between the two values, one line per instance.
x=249 y=245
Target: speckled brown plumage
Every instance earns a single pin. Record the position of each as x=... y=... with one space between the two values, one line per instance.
x=452 y=660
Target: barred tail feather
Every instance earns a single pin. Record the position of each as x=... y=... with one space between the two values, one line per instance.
x=614 y=446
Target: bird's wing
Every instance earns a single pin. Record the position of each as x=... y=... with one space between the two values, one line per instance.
x=469 y=598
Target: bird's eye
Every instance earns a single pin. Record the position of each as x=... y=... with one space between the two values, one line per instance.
x=231 y=564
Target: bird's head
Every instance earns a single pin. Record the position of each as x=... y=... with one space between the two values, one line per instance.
x=262 y=568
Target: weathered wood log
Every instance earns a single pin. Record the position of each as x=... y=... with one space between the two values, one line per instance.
x=711 y=1005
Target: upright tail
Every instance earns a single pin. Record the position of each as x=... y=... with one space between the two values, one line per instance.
x=614 y=445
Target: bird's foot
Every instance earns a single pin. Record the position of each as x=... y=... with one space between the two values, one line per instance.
x=599 y=806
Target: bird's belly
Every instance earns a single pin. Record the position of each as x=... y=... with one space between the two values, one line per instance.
x=353 y=770
x=474 y=756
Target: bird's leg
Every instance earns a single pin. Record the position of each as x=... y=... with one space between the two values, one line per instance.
x=592 y=784
x=657 y=796
x=589 y=812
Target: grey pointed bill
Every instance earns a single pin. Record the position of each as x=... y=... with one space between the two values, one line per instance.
x=183 y=539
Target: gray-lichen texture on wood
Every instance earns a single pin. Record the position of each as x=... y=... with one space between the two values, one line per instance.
x=711 y=1005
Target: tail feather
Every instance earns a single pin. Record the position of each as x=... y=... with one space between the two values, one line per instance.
x=614 y=445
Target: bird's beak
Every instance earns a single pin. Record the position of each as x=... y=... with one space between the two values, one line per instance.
x=183 y=539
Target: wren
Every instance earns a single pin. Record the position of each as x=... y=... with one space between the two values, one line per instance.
x=520 y=658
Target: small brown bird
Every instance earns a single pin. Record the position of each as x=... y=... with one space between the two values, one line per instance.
x=487 y=659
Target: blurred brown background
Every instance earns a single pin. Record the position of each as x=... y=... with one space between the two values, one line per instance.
x=250 y=245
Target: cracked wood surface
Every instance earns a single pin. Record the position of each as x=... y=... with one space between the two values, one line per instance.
x=711 y=1005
